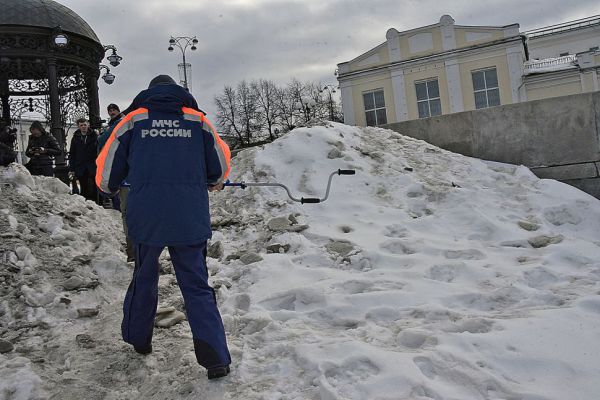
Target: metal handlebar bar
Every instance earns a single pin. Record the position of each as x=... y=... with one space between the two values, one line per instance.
x=302 y=200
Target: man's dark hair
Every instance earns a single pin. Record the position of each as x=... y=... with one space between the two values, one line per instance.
x=81 y=120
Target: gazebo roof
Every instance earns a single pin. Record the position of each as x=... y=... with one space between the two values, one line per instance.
x=45 y=14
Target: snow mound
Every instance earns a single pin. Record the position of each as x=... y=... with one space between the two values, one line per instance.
x=427 y=275
x=59 y=255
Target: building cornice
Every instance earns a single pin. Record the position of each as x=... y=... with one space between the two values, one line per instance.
x=501 y=43
x=551 y=75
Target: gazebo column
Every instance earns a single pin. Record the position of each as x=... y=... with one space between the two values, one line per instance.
x=94 y=101
x=56 y=124
x=60 y=170
x=4 y=97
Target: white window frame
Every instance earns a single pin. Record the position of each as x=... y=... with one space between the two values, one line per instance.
x=429 y=99
x=375 y=109
x=486 y=88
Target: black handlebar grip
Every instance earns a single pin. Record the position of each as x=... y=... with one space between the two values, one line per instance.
x=309 y=200
x=346 y=172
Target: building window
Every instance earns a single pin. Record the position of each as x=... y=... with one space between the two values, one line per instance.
x=375 y=108
x=485 y=85
x=428 y=98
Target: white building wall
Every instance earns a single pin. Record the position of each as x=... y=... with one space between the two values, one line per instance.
x=399 y=95
x=393 y=42
x=454 y=86
x=448 y=33
x=564 y=42
x=515 y=70
x=347 y=103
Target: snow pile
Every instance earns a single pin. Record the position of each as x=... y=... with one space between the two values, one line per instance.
x=59 y=259
x=427 y=275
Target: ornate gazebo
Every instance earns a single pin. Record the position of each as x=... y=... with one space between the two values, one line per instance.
x=49 y=64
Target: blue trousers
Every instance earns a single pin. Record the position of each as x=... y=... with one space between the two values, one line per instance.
x=141 y=300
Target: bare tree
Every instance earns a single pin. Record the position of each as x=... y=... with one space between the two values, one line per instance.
x=250 y=118
x=265 y=92
x=285 y=108
x=254 y=112
x=229 y=117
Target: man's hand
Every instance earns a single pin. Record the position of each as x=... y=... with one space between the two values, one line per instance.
x=216 y=188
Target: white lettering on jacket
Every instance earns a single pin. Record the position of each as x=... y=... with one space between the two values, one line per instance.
x=163 y=123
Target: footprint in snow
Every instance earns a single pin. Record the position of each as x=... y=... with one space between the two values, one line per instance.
x=294 y=300
x=562 y=215
x=444 y=272
x=395 y=231
x=342 y=379
x=539 y=278
x=414 y=339
x=472 y=325
x=426 y=366
x=469 y=254
x=363 y=286
x=397 y=247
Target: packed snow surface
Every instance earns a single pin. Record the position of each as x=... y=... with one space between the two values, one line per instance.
x=427 y=275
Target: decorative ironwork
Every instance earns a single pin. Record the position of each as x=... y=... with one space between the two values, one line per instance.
x=32 y=95
x=73 y=99
x=34 y=87
x=22 y=105
x=48 y=69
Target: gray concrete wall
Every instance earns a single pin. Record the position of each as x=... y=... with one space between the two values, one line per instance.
x=557 y=138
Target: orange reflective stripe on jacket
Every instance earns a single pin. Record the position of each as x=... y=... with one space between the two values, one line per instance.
x=220 y=146
x=106 y=156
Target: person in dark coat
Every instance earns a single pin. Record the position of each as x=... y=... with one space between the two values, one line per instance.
x=41 y=149
x=172 y=157
x=82 y=158
x=114 y=112
x=7 y=144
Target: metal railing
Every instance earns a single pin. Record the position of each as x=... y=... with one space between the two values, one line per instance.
x=563 y=27
x=550 y=62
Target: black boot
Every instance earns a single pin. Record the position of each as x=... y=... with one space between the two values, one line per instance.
x=143 y=350
x=218 y=372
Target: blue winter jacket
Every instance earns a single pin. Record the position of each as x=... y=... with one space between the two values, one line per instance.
x=169 y=153
x=108 y=130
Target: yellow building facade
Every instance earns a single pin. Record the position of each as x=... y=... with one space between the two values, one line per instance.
x=446 y=68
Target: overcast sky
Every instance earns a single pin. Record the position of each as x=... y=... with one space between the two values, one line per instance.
x=278 y=39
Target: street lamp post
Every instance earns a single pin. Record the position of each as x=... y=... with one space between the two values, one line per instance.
x=108 y=78
x=183 y=42
x=305 y=105
x=330 y=89
x=114 y=59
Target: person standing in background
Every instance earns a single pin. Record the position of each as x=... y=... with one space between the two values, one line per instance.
x=121 y=199
x=41 y=149
x=114 y=112
x=82 y=158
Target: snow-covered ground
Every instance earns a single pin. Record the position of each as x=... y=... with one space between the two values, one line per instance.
x=427 y=275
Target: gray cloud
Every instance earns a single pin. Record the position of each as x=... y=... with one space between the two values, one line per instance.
x=278 y=39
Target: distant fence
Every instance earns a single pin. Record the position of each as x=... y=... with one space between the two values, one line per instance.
x=557 y=138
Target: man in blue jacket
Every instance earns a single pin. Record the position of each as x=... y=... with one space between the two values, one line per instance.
x=170 y=154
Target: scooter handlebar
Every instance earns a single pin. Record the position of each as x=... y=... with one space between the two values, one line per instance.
x=346 y=172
